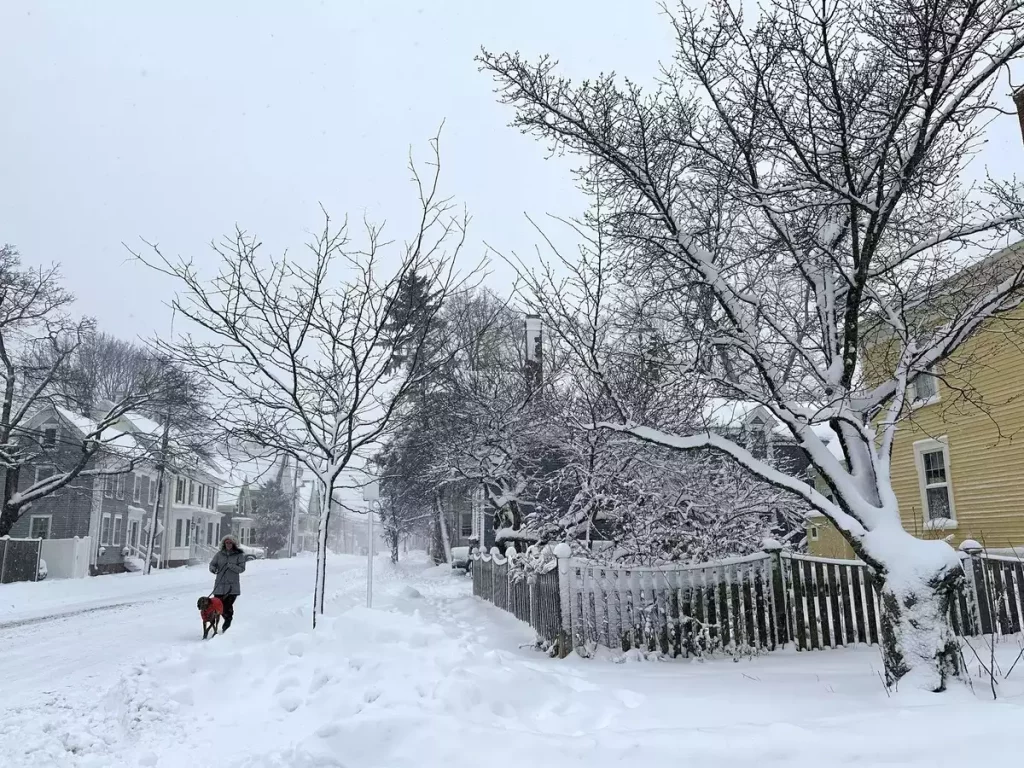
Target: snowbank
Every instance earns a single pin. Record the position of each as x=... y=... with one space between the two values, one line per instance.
x=433 y=678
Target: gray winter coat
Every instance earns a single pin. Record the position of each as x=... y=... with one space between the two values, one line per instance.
x=227 y=565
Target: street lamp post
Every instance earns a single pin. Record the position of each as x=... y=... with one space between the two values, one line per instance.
x=371 y=493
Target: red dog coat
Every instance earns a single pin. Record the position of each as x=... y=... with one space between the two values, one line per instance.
x=216 y=606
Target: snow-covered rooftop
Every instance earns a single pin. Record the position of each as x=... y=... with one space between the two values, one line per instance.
x=112 y=437
x=721 y=413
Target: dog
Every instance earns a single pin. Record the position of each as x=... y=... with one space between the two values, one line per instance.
x=210 y=611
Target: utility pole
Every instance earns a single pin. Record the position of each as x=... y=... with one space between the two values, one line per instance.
x=295 y=505
x=165 y=440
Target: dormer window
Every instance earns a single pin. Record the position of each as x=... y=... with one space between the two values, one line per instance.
x=50 y=437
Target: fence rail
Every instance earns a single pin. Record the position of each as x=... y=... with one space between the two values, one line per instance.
x=742 y=605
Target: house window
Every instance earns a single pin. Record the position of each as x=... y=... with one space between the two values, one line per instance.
x=178 y=524
x=209 y=533
x=924 y=388
x=118 y=529
x=217 y=537
x=188 y=533
x=202 y=495
x=466 y=528
x=813 y=533
x=39 y=526
x=120 y=486
x=149 y=491
x=211 y=498
x=49 y=437
x=179 y=490
x=109 y=482
x=42 y=473
x=105 y=529
x=936 y=488
x=136 y=488
x=191 y=493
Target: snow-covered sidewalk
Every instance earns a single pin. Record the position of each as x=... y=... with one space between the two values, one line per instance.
x=431 y=677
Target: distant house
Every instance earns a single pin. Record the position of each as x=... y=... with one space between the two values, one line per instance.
x=116 y=510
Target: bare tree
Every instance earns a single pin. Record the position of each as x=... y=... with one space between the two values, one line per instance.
x=299 y=352
x=796 y=188
x=37 y=339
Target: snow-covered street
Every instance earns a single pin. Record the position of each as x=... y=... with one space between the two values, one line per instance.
x=430 y=677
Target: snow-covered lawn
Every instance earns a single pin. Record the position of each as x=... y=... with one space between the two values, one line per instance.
x=429 y=678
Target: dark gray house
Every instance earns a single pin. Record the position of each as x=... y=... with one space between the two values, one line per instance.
x=115 y=511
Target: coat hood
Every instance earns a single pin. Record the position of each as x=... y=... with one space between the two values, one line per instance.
x=232 y=539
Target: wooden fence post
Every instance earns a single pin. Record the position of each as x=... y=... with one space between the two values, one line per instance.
x=779 y=598
x=977 y=587
x=564 y=554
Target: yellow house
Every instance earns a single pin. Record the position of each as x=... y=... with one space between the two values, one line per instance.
x=958 y=455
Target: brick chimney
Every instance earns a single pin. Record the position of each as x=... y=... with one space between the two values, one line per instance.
x=534 y=366
x=1018 y=100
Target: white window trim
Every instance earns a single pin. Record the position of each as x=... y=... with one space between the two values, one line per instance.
x=37 y=478
x=136 y=489
x=105 y=541
x=117 y=529
x=32 y=524
x=813 y=533
x=922 y=447
x=120 y=486
x=179 y=533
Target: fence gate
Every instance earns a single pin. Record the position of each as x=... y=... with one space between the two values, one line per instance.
x=19 y=559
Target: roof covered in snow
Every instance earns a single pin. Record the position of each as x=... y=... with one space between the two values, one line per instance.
x=723 y=414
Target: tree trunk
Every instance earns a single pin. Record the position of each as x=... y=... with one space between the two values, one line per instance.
x=441 y=543
x=394 y=535
x=327 y=503
x=9 y=515
x=919 y=646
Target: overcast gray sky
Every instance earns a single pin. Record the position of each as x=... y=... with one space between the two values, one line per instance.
x=175 y=121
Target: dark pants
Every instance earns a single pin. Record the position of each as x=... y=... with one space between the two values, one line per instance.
x=229 y=608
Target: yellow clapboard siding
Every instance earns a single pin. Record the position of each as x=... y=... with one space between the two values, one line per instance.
x=981 y=414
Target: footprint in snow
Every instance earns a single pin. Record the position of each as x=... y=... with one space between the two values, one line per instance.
x=289 y=702
x=285 y=683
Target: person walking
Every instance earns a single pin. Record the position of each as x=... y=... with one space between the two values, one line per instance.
x=227 y=564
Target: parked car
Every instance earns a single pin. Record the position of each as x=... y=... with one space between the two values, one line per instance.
x=253 y=553
x=461 y=559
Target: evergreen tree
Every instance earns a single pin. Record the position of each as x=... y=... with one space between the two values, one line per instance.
x=272 y=516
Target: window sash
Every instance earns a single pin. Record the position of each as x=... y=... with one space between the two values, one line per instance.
x=105 y=529
x=925 y=387
x=120 y=486
x=34 y=532
x=177 y=532
x=937 y=492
